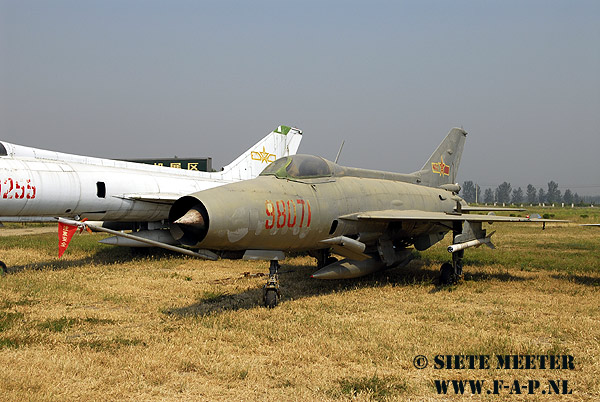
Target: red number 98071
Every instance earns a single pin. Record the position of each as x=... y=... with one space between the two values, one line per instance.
x=290 y=213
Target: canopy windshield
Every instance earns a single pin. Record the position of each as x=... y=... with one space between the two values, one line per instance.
x=298 y=167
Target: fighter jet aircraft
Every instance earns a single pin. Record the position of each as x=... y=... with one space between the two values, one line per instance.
x=39 y=185
x=306 y=203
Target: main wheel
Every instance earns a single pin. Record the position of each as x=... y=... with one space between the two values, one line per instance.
x=271 y=298
x=3 y=269
x=446 y=274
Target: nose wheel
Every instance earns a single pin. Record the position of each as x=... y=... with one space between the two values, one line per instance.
x=271 y=293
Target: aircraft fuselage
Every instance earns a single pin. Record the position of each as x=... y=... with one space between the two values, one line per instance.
x=278 y=214
x=93 y=188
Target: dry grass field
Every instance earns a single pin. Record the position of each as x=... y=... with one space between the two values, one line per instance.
x=105 y=324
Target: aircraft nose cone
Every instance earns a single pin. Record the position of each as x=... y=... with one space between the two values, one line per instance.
x=191 y=218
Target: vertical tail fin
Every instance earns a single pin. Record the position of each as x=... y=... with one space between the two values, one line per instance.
x=283 y=141
x=442 y=166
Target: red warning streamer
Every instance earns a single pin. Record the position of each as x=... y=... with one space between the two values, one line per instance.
x=65 y=234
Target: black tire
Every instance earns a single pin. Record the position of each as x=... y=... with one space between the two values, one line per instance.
x=331 y=260
x=3 y=268
x=446 y=274
x=271 y=298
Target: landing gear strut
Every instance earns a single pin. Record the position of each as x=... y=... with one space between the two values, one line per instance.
x=451 y=273
x=271 y=294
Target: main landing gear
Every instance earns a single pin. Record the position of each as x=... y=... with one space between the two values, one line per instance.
x=3 y=269
x=271 y=294
x=451 y=273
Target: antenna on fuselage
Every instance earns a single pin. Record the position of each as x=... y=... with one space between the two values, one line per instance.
x=339 y=152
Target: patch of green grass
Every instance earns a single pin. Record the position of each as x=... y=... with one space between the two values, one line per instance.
x=212 y=296
x=241 y=374
x=97 y=321
x=64 y=323
x=58 y=325
x=8 y=343
x=45 y=241
x=7 y=304
x=7 y=319
x=14 y=342
x=378 y=388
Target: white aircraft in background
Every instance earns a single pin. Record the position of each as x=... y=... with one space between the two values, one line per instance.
x=38 y=185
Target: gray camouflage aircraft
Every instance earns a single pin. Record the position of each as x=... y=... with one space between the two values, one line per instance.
x=307 y=203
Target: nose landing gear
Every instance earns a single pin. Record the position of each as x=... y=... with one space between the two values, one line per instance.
x=271 y=293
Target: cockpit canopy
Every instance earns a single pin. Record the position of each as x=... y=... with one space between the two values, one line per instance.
x=299 y=167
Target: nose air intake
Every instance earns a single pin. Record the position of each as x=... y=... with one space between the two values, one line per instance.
x=188 y=221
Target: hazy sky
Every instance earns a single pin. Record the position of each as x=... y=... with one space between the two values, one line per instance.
x=209 y=78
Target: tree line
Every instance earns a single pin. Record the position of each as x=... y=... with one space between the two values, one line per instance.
x=505 y=194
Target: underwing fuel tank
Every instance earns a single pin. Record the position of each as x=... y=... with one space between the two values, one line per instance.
x=347 y=269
